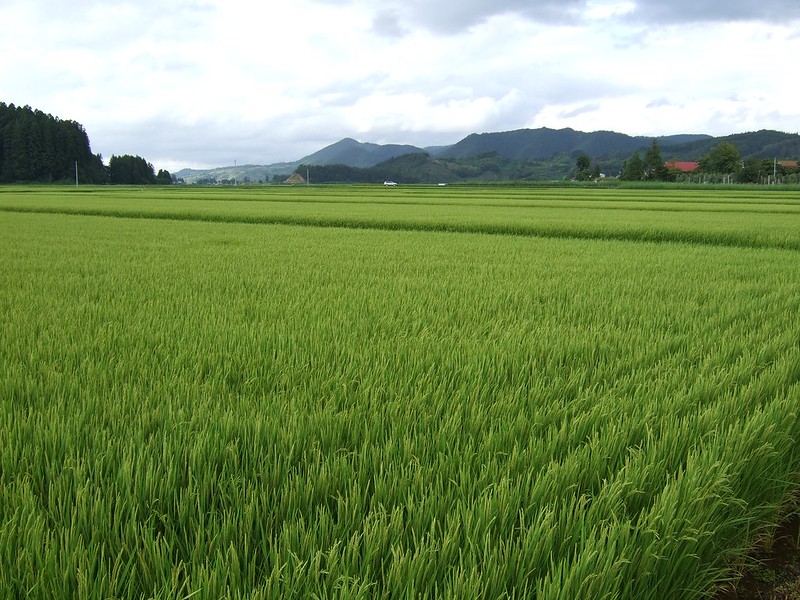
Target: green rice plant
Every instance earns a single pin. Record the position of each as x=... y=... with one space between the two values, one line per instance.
x=749 y=219
x=208 y=408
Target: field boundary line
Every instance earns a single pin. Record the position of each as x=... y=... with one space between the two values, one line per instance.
x=553 y=232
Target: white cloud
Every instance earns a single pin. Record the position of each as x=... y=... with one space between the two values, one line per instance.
x=416 y=112
x=208 y=82
x=599 y=10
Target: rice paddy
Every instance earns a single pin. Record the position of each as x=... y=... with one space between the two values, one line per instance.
x=359 y=392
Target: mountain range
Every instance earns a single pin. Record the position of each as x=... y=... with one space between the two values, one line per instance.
x=554 y=147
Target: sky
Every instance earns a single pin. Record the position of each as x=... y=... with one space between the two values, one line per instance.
x=206 y=83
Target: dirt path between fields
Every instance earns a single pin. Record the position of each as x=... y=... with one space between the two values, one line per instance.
x=777 y=576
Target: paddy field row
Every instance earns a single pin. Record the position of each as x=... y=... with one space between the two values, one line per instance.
x=369 y=393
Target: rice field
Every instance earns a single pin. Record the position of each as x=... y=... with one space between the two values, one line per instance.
x=359 y=392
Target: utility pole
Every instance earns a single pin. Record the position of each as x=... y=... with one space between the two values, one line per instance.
x=76 y=173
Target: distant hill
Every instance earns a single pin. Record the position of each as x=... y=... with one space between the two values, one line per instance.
x=765 y=143
x=357 y=154
x=237 y=173
x=347 y=152
x=544 y=143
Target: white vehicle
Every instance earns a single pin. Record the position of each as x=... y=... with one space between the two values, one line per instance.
x=389 y=183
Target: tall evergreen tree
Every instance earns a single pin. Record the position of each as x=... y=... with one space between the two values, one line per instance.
x=583 y=168
x=35 y=146
x=633 y=169
x=654 y=168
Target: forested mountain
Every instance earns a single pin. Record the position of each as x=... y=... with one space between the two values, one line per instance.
x=39 y=147
x=424 y=168
x=544 y=143
x=409 y=168
x=764 y=144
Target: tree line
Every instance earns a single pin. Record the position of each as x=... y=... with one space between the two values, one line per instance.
x=38 y=147
x=134 y=170
x=723 y=163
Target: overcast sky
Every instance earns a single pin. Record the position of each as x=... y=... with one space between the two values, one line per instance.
x=193 y=83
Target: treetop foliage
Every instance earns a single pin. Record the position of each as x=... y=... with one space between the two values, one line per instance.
x=130 y=170
x=722 y=158
x=651 y=168
x=583 y=168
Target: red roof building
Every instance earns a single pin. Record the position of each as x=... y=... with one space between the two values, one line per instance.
x=682 y=166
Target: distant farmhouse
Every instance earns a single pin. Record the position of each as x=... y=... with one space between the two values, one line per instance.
x=690 y=167
x=295 y=179
x=682 y=166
